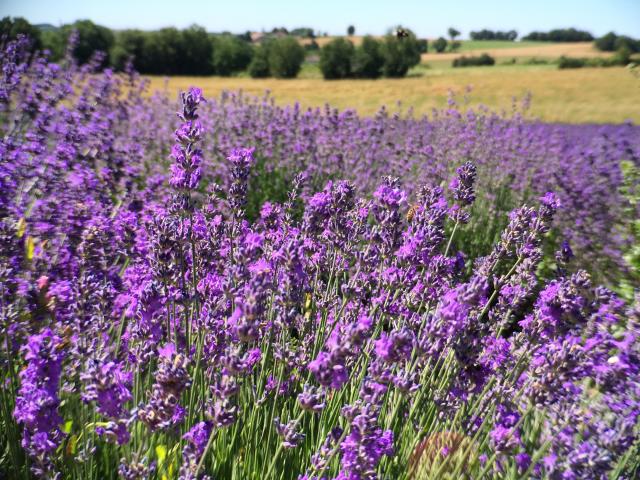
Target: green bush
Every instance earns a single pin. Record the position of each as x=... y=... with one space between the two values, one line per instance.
x=230 y=55
x=400 y=54
x=621 y=58
x=285 y=57
x=129 y=44
x=197 y=51
x=440 y=45
x=92 y=38
x=335 y=59
x=12 y=27
x=612 y=42
x=481 y=61
x=560 y=35
x=368 y=59
x=259 y=66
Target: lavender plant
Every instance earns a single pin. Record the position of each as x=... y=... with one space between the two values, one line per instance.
x=354 y=328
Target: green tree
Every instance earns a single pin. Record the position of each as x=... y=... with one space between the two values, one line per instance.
x=400 y=54
x=197 y=51
x=423 y=45
x=259 y=66
x=285 y=57
x=453 y=33
x=607 y=42
x=368 y=59
x=440 y=45
x=12 y=27
x=351 y=30
x=230 y=55
x=55 y=41
x=129 y=45
x=92 y=38
x=335 y=59
x=163 y=52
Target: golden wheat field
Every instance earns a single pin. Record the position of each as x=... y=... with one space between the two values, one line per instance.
x=588 y=95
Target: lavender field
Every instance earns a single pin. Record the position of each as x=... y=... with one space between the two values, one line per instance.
x=246 y=291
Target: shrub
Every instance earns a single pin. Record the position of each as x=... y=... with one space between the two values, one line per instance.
x=400 y=54
x=312 y=46
x=368 y=59
x=569 y=62
x=285 y=57
x=440 y=45
x=92 y=38
x=485 y=34
x=230 y=55
x=560 y=35
x=259 y=66
x=612 y=43
x=10 y=28
x=197 y=51
x=620 y=59
x=335 y=59
x=482 y=60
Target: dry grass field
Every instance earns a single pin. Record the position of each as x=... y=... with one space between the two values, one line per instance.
x=526 y=49
x=589 y=95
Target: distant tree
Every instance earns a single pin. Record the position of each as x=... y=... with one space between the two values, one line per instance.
x=626 y=45
x=129 y=45
x=163 y=52
x=12 y=27
x=606 y=43
x=230 y=55
x=312 y=46
x=246 y=36
x=423 y=45
x=55 y=41
x=453 y=33
x=335 y=59
x=198 y=51
x=302 y=32
x=485 y=34
x=400 y=54
x=368 y=59
x=351 y=30
x=92 y=38
x=285 y=57
x=482 y=60
x=560 y=35
x=440 y=45
x=259 y=66
x=617 y=43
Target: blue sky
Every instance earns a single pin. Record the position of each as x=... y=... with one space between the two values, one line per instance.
x=428 y=18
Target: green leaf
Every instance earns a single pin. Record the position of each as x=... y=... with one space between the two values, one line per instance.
x=67 y=426
x=30 y=248
x=161 y=453
x=22 y=227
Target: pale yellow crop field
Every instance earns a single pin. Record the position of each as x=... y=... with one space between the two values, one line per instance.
x=600 y=95
x=527 y=49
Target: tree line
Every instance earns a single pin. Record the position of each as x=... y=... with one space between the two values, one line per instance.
x=194 y=51
x=392 y=56
x=485 y=34
x=560 y=35
x=168 y=51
